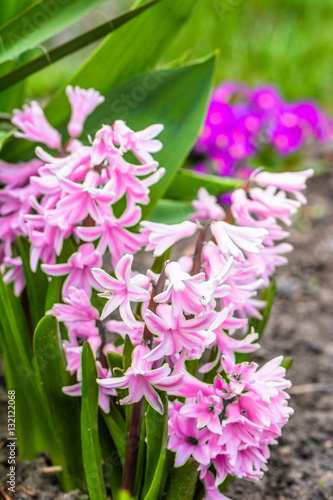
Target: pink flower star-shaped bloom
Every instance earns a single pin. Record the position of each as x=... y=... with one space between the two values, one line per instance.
x=77 y=313
x=141 y=143
x=14 y=274
x=78 y=269
x=113 y=233
x=187 y=440
x=292 y=182
x=35 y=126
x=15 y=175
x=83 y=102
x=182 y=290
x=178 y=333
x=123 y=289
x=160 y=237
x=233 y=240
x=206 y=410
x=207 y=207
x=211 y=488
x=80 y=200
x=103 y=147
x=140 y=379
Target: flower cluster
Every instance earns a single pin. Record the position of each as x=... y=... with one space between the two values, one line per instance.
x=194 y=313
x=73 y=192
x=227 y=414
x=241 y=120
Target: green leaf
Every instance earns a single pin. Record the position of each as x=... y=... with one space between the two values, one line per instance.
x=176 y=98
x=127 y=353
x=115 y=360
x=181 y=482
x=25 y=379
x=64 y=409
x=157 y=435
x=5 y=135
x=110 y=458
x=117 y=429
x=259 y=325
x=69 y=47
x=268 y=296
x=170 y=211
x=287 y=362
x=186 y=184
x=159 y=262
x=131 y=50
x=38 y=23
x=89 y=427
x=37 y=283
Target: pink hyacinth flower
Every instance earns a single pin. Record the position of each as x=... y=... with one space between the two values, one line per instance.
x=113 y=233
x=162 y=236
x=77 y=313
x=123 y=289
x=15 y=175
x=141 y=380
x=83 y=102
x=15 y=274
x=211 y=488
x=78 y=269
x=233 y=240
x=141 y=143
x=35 y=126
x=292 y=182
x=206 y=410
x=207 y=207
x=177 y=333
x=183 y=290
x=187 y=440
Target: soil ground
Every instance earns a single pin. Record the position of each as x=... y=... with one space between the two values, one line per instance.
x=301 y=326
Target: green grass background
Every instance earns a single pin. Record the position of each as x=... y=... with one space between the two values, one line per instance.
x=287 y=43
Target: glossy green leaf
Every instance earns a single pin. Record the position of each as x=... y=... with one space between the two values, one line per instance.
x=69 y=47
x=181 y=482
x=131 y=50
x=177 y=98
x=64 y=409
x=39 y=22
x=186 y=184
x=170 y=211
x=37 y=283
x=29 y=440
x=111 y=458
x=117 y=430
x=24 y=376
x=89 y=427
x=157 y=435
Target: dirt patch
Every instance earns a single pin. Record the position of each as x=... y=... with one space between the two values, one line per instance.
x=301 y=326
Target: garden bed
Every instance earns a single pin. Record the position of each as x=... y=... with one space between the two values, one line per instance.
x=301 y=326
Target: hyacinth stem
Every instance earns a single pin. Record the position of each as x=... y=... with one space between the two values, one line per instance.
x=132 y=449
x=134 y=430
x=197 y=257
